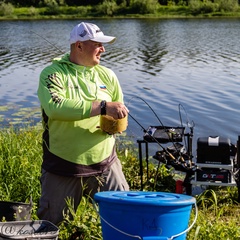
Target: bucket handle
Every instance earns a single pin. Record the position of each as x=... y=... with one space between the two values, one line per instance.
x=188 y=229
x=149 y=237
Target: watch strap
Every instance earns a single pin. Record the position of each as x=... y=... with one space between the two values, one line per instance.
x=103 y=105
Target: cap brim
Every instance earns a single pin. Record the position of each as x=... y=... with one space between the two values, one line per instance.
x=104 y=39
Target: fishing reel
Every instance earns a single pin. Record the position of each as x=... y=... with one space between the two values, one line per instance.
x=175 y=156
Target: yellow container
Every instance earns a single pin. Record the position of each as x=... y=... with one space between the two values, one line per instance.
x=110 y=125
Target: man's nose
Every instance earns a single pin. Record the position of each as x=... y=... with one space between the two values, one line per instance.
x=102 y=48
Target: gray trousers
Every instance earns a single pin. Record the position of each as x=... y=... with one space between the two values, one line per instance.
x=56 y=189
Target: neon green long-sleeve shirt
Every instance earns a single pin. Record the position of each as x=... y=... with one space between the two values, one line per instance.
x=66 y=92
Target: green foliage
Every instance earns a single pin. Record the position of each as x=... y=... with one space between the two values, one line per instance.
x=199 y=7
x=217 y=216
x=83 y=223
x=32 y=11
x=227 y=5
x=20 y=166
x=144 y=6
x=108 y=7
x=81 y=11
x=6 y=9
x=208 y=6
x=52 y=7
x=20 y=163
x=118 y=8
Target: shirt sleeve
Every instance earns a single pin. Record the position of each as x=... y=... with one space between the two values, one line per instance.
x=52 y=96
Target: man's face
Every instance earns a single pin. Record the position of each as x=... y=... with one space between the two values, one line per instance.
x=91 y=53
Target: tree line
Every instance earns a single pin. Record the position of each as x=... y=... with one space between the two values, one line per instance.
x=119 y=7
x=41 y=3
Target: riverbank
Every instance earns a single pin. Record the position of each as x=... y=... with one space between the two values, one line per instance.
x=20 y=167
x=90 y=12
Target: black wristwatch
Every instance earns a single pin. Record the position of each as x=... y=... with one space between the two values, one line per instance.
x=103 y=107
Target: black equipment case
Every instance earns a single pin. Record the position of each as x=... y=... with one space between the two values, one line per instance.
x=213 y=175
x=213 y=150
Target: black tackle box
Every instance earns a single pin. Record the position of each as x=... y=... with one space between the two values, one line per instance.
x=213 y=150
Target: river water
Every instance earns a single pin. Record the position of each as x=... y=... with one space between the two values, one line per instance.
x=186 y=70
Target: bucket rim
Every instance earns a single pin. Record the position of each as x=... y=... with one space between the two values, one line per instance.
x=145 y=198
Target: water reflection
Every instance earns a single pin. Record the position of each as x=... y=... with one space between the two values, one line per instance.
x=194 y=62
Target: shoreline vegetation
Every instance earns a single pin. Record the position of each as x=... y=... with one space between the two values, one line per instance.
x=20 y=167
x=59 y=9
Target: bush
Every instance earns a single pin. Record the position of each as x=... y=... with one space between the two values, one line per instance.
x=144 y=6
x=77 y=11
x=6 y=9
x=227 y=5
x=32 y=11
x=198 y=7
x=52 y=7
x=108 y=7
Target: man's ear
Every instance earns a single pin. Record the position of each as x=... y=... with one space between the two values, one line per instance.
x=79 y=45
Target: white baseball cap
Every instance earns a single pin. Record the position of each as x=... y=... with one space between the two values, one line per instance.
x=88 y=31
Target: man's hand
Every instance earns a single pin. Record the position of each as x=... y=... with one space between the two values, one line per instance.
x=116 y=110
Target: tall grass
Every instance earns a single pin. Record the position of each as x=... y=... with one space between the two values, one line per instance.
x=218 y=217
x=20 y=161
x=20 y=166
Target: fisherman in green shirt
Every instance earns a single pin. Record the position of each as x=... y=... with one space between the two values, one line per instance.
x=79 y=159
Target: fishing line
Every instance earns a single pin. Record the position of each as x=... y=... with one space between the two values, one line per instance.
x=164 y=127
x=189 y=125
x=150 y=108
x=47 y=41
x=180 y=160
x=155 y=140
x=41 y=38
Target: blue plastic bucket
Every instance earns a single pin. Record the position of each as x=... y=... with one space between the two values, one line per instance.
x=144 y=215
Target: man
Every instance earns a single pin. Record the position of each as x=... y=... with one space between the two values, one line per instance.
x=78 y=157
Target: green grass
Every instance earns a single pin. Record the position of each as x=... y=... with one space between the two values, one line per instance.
x=20 y=166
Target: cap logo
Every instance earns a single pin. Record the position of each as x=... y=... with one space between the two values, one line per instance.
x=83 y=33
x=99 y=30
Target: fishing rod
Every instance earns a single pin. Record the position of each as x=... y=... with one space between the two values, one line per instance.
x=14 y=24
x=154 y=139
x=151 y=109
x=164 y=127
x=181 y=158
x=174 y=162
x=47 y=41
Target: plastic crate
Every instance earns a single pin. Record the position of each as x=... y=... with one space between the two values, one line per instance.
x=25 y=230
